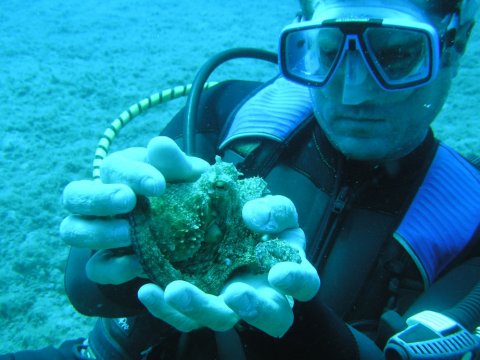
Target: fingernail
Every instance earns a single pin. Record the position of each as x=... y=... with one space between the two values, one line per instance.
x=152 y=187
x=247 y=307
x=257 y=215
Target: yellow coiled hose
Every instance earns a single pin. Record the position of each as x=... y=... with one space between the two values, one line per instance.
x=133 y=111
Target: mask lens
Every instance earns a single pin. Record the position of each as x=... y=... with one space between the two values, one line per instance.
x=312 y=54
x=400 y=56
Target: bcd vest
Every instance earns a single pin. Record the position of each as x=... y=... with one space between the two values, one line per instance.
x=445 y=213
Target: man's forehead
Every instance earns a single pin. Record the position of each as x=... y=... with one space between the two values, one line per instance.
x=426 y=9
x=429 y=5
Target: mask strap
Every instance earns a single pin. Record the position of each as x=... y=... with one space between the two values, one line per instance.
x=456 y=34
x=299 y=17
x=449 y=37
x=308 y=7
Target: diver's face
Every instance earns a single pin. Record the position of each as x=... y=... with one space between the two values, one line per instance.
x=365 y=122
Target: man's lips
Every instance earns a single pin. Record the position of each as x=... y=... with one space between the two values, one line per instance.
x=364 y=127
x=360 y=119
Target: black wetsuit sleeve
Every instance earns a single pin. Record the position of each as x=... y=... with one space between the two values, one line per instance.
x=93 y=299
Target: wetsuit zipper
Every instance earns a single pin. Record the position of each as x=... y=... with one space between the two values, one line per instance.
x=325 y=235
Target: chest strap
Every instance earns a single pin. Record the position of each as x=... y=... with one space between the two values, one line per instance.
x=444 y=215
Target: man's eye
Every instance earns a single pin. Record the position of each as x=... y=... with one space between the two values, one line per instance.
x=328 y=41
x=327 y=53
x=400 y=61
x=399 y=53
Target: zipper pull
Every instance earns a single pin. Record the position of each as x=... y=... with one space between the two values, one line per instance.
x=341 y=200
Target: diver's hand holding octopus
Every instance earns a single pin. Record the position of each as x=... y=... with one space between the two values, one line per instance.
x=264 y=301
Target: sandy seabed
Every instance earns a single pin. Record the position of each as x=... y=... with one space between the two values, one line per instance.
x=68 y=68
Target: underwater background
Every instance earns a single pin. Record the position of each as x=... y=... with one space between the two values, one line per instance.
x=67 y=69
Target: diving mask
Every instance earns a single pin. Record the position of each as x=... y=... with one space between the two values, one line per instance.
x=399 y=51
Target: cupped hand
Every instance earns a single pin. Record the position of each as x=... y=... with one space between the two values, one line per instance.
x=264 y=301
x=97 y=206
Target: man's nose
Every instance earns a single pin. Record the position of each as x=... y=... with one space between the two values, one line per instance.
x=359 y=86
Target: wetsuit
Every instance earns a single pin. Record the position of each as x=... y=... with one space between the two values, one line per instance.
x=349 y=211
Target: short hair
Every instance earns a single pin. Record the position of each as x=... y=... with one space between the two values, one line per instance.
x=443 y=6
x=468 y=8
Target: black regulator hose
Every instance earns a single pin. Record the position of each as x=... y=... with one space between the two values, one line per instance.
x=467 y=311
x=202 y=77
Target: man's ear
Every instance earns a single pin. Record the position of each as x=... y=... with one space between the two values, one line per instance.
x=463 y=36
x=308 y=7
x=452 y=55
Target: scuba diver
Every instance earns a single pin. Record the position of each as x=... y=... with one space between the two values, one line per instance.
x=387 y=216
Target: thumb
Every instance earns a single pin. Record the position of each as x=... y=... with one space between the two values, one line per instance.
x=172 y=162
x=271 y=214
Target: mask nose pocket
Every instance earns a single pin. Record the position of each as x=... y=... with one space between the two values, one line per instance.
x=356 y=71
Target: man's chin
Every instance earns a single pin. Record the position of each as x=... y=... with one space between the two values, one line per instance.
x=366 y=149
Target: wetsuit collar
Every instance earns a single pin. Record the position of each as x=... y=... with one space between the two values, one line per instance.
x=353 y=171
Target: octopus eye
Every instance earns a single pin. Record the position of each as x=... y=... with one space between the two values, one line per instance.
x=220 y=185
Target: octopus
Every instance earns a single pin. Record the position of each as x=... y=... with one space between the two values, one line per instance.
x=195 y=232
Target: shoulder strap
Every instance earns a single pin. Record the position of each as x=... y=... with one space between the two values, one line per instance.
x=444 y=215
x=270 y=119
x=475 y=161
x=273 y=113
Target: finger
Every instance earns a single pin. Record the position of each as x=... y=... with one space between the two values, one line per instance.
x=262 y=307
x=95 y=233
x=300 y=281
x=86 y=197
x=173 y=163
x=205 y=309
x=125 y=167
x=270 y=214
x=295 y=238
x=153 y=298
x=106 y=267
